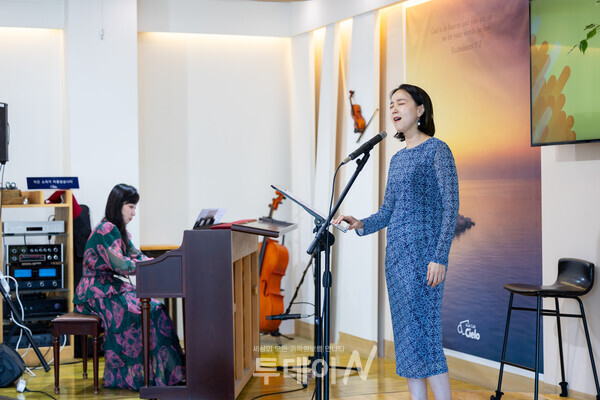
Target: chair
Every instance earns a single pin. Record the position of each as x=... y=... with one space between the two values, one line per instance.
x=76 y=324
x=575 y=278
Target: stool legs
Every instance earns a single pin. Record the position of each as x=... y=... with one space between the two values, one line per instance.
x=84 y=355
x=83 y=326
x=539 y=314
x=563 y=384
x=95 y=345
x=55 y=344
x=537 y=346
x=589 y=344
x=499 y=393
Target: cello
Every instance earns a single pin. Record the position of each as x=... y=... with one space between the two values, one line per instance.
x=273 y=261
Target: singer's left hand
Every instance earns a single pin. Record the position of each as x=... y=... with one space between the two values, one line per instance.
x=435 y=274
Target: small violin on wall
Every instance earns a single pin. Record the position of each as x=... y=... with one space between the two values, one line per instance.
x=359 y=121
x=360 y=126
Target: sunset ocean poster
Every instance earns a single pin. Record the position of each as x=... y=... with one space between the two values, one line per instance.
x=464 y=54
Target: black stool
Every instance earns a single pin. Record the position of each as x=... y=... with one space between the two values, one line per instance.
x=575 y=278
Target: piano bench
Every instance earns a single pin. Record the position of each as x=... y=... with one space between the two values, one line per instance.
x=76 y=324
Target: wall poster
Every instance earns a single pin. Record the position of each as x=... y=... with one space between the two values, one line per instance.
x=472 y=57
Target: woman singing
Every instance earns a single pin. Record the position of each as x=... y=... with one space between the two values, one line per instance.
x=419 y=209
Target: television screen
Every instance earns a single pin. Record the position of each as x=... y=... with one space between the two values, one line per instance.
x=565 y=71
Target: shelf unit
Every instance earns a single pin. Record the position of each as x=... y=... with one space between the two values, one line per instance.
x=64 y=212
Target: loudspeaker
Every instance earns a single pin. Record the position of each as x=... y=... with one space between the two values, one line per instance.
x=12 y=365
x=4 y=133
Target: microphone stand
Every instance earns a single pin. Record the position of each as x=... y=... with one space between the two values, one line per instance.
x=322 y=242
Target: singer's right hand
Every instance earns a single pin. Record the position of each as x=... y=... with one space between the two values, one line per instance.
x=354 y=223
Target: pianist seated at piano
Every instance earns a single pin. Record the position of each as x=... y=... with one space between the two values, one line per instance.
x=109 y=256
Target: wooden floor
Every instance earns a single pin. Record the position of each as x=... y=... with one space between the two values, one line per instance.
x=379 y=382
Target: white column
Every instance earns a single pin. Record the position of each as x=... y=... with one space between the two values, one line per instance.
x=357 y=258
x=101 y=75
x=302 y=163
x=326 y=132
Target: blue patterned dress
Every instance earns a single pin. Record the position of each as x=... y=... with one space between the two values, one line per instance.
x=419 y=209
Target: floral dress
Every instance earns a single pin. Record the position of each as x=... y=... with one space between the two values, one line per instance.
x=102 y=292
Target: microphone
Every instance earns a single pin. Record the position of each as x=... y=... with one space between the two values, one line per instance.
x=366 y=147
x=282 y=317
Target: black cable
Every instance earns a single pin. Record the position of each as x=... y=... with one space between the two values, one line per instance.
x=39 y=391
x=2 y=230
x=273 y=394
x=304 y=385
x=2 y=167
x=333 y=187
x=329 y=213
x=305 y=302
x=332 y=194
x=44 y=356
x=51 y=218
x=326 y=247
x=312 y=257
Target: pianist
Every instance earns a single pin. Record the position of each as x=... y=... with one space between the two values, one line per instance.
x=110 y=255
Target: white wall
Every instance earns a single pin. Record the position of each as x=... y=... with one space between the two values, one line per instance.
x=235 y=17
x=31 y=83
x=356 y=273
x=81 y=90
x=310 y=15
x=355 y=260
x=215 y=128
x=326 y=144
x=302 y=160
x=163 y=119
x=101 y=110
x=72 y=97
x=244 y=17
x=571 y=228
x=32 y=13
x=214 y=114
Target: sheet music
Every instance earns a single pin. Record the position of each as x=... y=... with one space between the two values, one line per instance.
x=209 y=216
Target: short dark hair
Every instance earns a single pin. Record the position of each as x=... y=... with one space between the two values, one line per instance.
x=120 y=195
x=427 y=126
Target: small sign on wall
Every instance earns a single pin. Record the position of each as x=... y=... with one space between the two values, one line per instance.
x=62 y=182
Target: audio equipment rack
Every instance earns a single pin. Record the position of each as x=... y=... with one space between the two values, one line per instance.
x=53 y=294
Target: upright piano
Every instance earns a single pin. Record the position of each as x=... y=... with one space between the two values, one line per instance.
x=215 y=272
